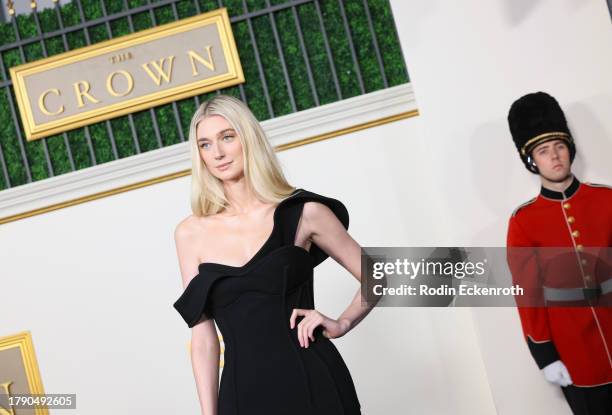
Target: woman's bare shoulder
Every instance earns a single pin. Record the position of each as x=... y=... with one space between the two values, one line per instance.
x=187 y=227
x=193 y=237
x=188 y=237
x=194 y=226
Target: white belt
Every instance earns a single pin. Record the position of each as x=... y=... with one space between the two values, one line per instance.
x=577 y=294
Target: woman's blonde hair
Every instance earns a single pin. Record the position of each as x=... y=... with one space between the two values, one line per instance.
x=262 y=170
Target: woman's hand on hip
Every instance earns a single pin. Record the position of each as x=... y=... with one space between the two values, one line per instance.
x=312 y=319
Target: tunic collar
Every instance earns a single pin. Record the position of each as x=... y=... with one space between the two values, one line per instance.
x=569 y=192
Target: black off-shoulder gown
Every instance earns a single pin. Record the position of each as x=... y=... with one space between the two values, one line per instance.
x=266 y=372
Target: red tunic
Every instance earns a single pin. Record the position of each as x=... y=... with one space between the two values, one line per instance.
x=579 y=219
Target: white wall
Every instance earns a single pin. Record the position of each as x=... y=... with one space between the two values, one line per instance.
x=102 y=318
x=469 y=61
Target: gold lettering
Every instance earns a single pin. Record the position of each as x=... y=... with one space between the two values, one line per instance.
x=109 y=83
x=159 y=68
x=80 y=94
x=209 y=64
x=4 y=390
x=121 y=57
x=43 y=107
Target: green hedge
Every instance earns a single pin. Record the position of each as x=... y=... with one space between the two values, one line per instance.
x=384 y=27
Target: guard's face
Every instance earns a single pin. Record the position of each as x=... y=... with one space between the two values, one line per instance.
x=220 y=148
x=553 y=160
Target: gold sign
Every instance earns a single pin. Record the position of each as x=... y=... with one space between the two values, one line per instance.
x=127 y=74
x=19 y=373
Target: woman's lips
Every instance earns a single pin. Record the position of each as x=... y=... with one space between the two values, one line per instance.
x=224 y=166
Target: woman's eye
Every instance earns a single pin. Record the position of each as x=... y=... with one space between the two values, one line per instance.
x=204 y=145
x=228 y=136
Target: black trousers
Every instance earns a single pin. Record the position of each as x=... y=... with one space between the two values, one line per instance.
x=589 y=401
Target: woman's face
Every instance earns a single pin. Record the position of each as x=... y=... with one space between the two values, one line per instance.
x=220 y=148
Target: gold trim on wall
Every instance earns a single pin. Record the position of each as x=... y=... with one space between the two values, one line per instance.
x=187 y=172
x=348 y=130
x=23 y=341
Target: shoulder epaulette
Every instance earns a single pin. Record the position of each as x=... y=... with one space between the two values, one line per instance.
x=523 y=205
x=605 y=186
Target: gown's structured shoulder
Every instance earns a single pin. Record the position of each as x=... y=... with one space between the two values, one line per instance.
x=290 y=213
x=266 y=371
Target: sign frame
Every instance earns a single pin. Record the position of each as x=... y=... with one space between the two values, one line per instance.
x=23 y=342
x=233 y=76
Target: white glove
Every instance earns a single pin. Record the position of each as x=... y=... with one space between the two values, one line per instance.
x=557 y=373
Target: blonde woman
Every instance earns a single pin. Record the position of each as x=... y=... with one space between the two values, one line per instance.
x=246 y=256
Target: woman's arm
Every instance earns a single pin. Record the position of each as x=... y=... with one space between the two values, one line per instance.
x=204 y=339
x=325 y=230
x=205 y=363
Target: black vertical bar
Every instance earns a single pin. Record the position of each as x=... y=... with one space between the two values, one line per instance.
x=198 y=11
x=152 y=13
x=240 y=86
x=92 y=154
x=262 y=77
x=24 y=156
x=347 y=29
x=311 y=81
x=196 y=3
x=151 y=110
x=279 y=49
x=2 y=12
x=399 y=44
x=44 y=49
x=107 y=122
x=12 y=103
x=381 y=65
x=220 y=4
x=110 y=35
x=328 y=51
x=7 y=179
x=177 y=118
x=177 y=115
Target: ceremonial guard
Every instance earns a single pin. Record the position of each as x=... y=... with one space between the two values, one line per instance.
x=559 y=252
